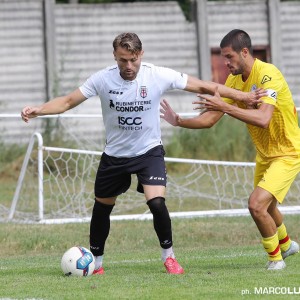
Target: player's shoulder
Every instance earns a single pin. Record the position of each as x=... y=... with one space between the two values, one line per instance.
x=149 y=68
x=266 y=72
x=154 y=68
x=147 y=65
x=262 y=66
x=110 y=70
x=106 y=72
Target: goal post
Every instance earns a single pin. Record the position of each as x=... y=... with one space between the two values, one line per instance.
x=56 y=185
x=39 y=182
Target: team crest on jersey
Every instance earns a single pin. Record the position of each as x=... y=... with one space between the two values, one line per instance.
x=143 y=91
x=253 y=87
x=265 y=79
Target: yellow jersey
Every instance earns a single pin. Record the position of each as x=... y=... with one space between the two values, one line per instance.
x=282 y=137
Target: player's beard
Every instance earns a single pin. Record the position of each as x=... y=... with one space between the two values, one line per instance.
x=128 y=74
x=239 y=69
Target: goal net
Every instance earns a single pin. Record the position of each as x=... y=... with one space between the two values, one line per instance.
x=56 y=185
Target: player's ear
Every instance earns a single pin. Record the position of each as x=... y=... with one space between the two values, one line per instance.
x=141 y=53
x=114 y=54
x=245 y=52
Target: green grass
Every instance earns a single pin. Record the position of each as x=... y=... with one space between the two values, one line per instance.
x=222 y=258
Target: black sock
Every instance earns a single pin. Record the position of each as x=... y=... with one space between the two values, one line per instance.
x=161 y=221
x=99 y=227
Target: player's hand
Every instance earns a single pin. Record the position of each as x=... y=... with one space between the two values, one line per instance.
x=168 y=114
x=210 y=103
x=252 y=99
x=29 y=113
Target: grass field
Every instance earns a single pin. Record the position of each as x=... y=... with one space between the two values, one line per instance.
x=222 y=258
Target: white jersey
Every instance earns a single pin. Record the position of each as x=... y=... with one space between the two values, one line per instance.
x=131 y=108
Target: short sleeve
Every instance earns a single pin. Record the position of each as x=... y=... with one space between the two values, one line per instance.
x=171 y=79
x=92 y=85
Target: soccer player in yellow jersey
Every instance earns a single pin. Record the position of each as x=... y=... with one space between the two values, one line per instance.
x=273 y=126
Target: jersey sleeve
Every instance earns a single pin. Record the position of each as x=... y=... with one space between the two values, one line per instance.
x=272 y=81
x=89 y=89
x=170 y=79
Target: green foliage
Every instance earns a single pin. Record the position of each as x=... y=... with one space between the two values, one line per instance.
x=218 y=264
x=10 y=153
x=227 y=140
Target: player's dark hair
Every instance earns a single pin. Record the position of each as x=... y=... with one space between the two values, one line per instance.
x=128 y=40
x=237 y=39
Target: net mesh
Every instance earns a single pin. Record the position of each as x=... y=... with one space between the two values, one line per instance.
x=193 y=185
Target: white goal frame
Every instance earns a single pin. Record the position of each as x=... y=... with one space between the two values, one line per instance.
x=145 y=216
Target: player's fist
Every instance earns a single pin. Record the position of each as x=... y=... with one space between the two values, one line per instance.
x=29 y=113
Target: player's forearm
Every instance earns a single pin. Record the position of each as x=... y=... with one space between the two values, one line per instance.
x=194 y=123
x=233 y=94
x=55 y=106
x=196 y=85
x=253 y=117
x=61 y=104
x=208 y=87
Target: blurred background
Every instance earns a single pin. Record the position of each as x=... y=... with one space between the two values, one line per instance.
x=48 y=48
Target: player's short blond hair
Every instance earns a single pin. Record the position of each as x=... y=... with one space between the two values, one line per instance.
x=128 y=40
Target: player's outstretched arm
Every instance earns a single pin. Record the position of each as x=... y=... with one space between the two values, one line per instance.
x=204 y=120
x=208 y=87
x=55 y=106
x=260 y=117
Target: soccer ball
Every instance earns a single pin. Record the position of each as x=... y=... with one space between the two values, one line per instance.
x=78 y=261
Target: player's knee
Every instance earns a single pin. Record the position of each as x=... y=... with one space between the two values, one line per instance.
x=157 y=205
x=252 y=209
x=257 y=208
x=101 y=209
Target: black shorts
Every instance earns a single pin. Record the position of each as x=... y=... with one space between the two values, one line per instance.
x=114 y=174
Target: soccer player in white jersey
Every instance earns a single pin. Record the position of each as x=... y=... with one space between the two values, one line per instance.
x=130 y=93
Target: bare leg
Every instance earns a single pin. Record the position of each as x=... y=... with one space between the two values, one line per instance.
x=275 y=213
x=260 y=202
